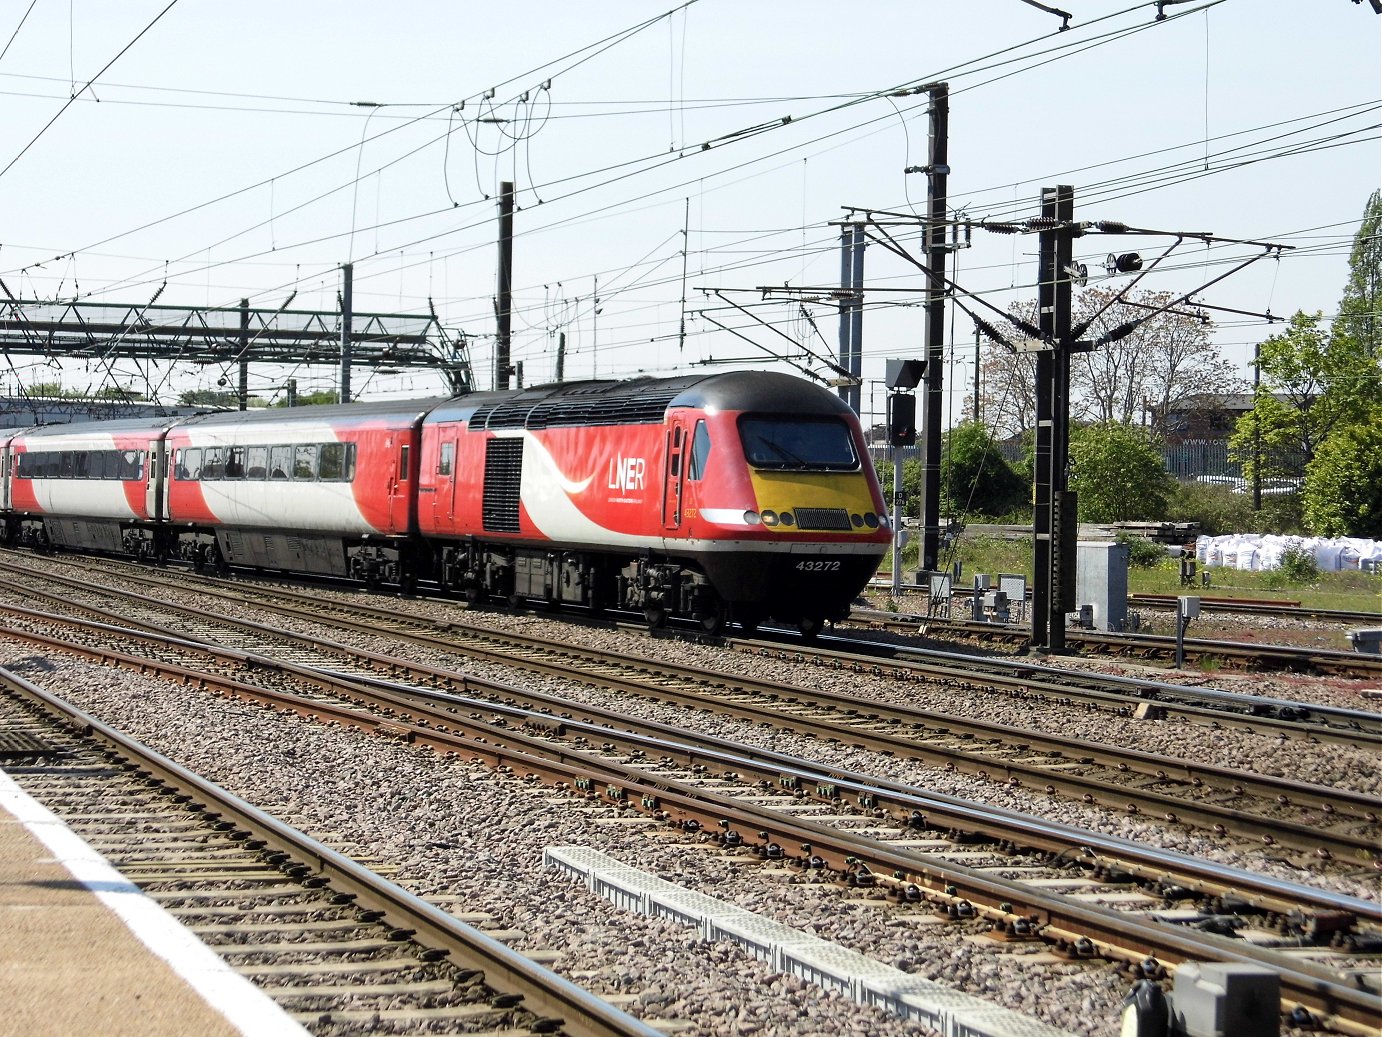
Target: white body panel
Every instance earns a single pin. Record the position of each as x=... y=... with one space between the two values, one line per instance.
x=283 y=506
x=84 y=498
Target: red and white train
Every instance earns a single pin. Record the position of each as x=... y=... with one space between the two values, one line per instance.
x=736 y=496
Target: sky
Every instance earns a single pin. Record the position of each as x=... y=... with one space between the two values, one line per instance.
x=670 y=162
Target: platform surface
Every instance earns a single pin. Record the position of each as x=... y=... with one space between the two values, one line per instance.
x=83 y=951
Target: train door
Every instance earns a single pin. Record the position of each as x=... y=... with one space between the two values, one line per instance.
x=400 y=485
x=444 y=499
x=675 y=475
x=155 y=479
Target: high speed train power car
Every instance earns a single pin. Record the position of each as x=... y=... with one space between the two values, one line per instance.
x=724 y=497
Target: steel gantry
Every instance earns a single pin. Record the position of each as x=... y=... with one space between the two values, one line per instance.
x=239 y=335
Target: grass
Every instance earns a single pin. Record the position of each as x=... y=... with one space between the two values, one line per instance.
x=1351 y=590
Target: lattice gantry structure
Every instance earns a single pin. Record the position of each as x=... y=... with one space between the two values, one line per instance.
x=239 y=336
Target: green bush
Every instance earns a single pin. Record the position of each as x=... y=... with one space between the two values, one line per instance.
x=1298 y=566
x=1142 y=553
x=1217 y=509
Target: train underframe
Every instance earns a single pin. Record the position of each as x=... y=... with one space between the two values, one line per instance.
x=799 y=590
x=805 y=592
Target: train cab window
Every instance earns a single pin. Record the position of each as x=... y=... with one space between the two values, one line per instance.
x=213 y=463
x=332 y=461
x=677 y=436
x=700 y=452
x=189 y=463
x=305 y=461
x=256 y=462
x=798 y=444
x=280 y=462
x=444 y=460
x=403 y=463
x=235 y=463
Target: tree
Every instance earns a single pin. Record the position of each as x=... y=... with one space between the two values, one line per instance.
x=1312 y=383
x=1360 y=312
x=312 y=399
x=1117 y=471
x=1167 y=358
x=975 y=478
x=1343 y=484
x=1008 y=391
x=217 y=398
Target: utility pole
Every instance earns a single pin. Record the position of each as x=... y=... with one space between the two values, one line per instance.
x=505 y=302
x=561 y=356
x=1054 y=514
x=244 y=386
x=1256 y=430
x=852 y=311
x=937 y=170
x=347 y=310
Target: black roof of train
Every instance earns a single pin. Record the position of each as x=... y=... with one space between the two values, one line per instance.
x=634 y=401
x=638 y=401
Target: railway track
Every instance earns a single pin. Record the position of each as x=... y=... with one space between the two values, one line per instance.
x=655 y=785
x=1025 y=679
x=1320 y=821
x=1284 y=610
x=1198 y=652
x=335 y=944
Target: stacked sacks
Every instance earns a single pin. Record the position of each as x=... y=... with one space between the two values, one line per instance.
x=1254 y=551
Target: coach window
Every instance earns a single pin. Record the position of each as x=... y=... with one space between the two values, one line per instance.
x=448 y=452
x=256 y=462
x=332 y=461
x=280 y=462
x=305 y=461
x=189 y=464
x=109 y=466
x=235 y=462
x=67 y=464
x=700 y=452
x=349 y=462
x=213 y=463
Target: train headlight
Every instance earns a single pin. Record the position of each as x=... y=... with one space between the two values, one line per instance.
x=788 y=518
x=883 y=522
x=751 y=518
x=871 y=520
x=769 y=518
x=857 y=520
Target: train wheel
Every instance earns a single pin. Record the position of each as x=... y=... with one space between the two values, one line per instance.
x=810 y=627
x=713 y=619
x=515 y=602
x=655 y=617
x=474 y=594
x=748 y=619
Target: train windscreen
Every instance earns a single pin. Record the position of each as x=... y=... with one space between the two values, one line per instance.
x=822 y=444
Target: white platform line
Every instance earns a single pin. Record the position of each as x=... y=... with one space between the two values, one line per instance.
x=244 y=1005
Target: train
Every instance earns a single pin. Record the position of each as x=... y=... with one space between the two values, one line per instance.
x=731 y=497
